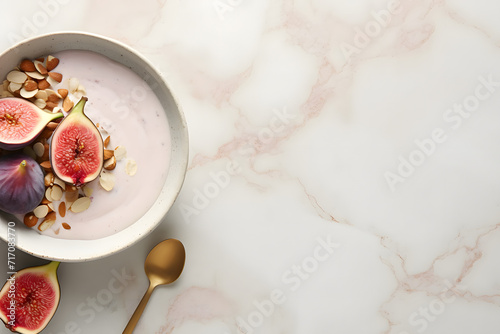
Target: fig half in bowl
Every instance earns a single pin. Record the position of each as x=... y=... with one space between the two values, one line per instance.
x=140 y=200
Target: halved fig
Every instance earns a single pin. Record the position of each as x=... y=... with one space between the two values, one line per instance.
x=29 y=298
x=21 y=183
x=76 y=148
x=21 y=122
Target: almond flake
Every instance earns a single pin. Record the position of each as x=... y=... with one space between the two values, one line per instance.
x=56 y=76
x=40 y=68
x=88 y=191
x=51 y=207
x=110 y=164
x=60 y=183
x=47 y=222
x=17 y=77
x=67 y=104
x=120 y=153
x=131 y=167
x=108 y=154
x=49 y=179
x=106 y=141
x=28 y=94
x=73 y=84
x=35 y=75
x=43 y=84
x=52 y=125
x=63 y=92
x=30 y=85
x=41 y=211
x=27 y=66
x=62 y=209
x=52 y=81
x=48 y=192
x=107 y=180
x=71 y=194
x=13 y=87
x=39 y=149
x=56 y=193
x=52 y=62
x=41 y=94
x=80 y=205
x=40 y=103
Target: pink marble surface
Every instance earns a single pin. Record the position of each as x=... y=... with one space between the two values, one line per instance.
x=343 y=168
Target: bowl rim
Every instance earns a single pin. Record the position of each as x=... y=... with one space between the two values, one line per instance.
x=94 y=249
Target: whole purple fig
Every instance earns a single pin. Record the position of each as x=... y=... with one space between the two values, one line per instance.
x=21 y=183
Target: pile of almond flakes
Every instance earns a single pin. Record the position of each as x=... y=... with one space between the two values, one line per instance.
x=33 y=81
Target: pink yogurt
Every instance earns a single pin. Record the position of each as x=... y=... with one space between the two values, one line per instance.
x=128 y=110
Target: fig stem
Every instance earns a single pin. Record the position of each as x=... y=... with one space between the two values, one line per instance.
x=22 y=166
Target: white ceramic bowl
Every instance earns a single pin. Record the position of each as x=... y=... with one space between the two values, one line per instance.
x=65 y=250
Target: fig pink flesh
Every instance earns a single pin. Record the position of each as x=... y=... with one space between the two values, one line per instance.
x=33 y=302
x=17 y=120
x=77 y=153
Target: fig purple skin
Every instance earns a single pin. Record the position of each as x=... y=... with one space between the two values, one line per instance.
x=21 y=183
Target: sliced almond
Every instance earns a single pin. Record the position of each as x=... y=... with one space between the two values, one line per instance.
x=6 y=93
x=40 y=103
x=17 y=77
x=35 y=75
x=41 y=94
x=49 y=179
x=60 y=183
x=47 y=222
x=41 y=211
x=43 y=84
x=53 y=98
x=45 y=200
x=73 y=84
x=52 y=125
x=120 y=153
x=88 y=191
x=56 y=193
x=106 y=141
x=131 y=167
x=80 y=205
x=51 y=105
x=67 y=104
x=30 y=219
x=107 y=180
x=51 y=81
x=27 y=66
x=56 y=76
x=39 y=149
x=40 y=68
x=51 y=207
x=110 y=164
x=27 y=94
x=108 y=154
x=48 y=196
x=14 y=87
x=66 y=226
x=63 y=92
x=45 y=164
x=30 y=85
x=71 y=195
x=62 y=209
x=52 y=62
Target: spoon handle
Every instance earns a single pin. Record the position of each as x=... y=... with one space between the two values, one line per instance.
x=138 y=311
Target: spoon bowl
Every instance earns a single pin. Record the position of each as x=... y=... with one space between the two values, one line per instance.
x=163 y=265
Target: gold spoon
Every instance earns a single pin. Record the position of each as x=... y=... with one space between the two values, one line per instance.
x=163 y=265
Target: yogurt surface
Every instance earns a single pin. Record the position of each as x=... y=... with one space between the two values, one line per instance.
x=125 y=108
